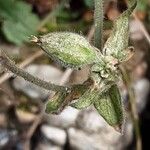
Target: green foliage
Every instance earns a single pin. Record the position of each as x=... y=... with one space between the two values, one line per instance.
x=109 y=105
x=65 y=15
x=89 y=3
x=18 y=22
x=86 y=99
x=75 y=51
x=119 y=48
x=55 y=103
x=142 y=5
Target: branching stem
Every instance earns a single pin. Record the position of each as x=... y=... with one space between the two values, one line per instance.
x=98 y=23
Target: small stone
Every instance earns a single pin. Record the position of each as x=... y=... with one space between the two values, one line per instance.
x=45 y=72
x=65 y=119
x=12 y=50
x=56 y=135
x=80 y=140
x=25 y=117
x=141 y=87
x=97 y=134
x=90 y=121
x=4 y=138
x=7 y=136
x=135 y=31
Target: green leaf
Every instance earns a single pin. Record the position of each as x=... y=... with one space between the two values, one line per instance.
x=70 y=49
x=55 y=103
x=110 y=107
x=18 y=21
x=142 y=5
x=89 y=3
x=117 y=43
x=86 y=99
x=62 y=99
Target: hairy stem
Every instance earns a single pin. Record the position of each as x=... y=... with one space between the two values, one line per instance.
x=8 y=64
x=134 y=113
x=98 y=22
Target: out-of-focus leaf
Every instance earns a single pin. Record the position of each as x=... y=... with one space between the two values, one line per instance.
x=89 y=3
x=109 y=105
x=142 y=5
x=18 y=21
x=66 y=15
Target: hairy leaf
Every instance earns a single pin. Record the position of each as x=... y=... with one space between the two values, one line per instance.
x=70 y=49
x=18 y=20
x=109 y=105
x=55 y=102
x=117 y=43
x=86 y=99
x=62 y=99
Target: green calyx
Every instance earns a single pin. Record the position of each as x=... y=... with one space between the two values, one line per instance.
x=117 y=44
x=69 y=49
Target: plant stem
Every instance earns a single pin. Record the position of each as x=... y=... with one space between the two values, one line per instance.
x=8 y=64
x=134 y=113
x=98 y=23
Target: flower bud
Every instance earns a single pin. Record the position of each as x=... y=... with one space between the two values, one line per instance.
x=70 y=49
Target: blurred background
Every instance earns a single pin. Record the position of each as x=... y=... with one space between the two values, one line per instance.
x=23 y=124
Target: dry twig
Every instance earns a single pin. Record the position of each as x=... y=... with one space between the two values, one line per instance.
x=142 y=27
